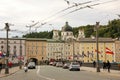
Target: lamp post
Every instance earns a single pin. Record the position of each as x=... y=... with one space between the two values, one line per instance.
x=73 y=51
x=20 y=64
x=7 y=53
x=97 y=68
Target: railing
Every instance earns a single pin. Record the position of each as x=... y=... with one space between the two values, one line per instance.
x=114 y=66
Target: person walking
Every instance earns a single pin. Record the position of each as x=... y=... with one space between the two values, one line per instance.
x=104 y=65
x=0 y=67
x=108 y=65
x=25 y=67
x=94 y=64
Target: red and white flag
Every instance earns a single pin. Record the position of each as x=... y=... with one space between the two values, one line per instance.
x=108 y=51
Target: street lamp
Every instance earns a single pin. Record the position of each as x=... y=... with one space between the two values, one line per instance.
x=97 y=26
x=73 y=51
x=20 y=63
x=7 y=53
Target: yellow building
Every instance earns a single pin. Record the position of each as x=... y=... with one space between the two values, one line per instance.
x=36 y=49
x=88 y=49
x=117 y=51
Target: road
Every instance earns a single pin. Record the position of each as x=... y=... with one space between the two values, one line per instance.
x=54 y=73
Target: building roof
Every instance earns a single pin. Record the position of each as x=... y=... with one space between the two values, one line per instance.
x=13 y=38
x=36 y=39
x=66 y=27
x=94 y=40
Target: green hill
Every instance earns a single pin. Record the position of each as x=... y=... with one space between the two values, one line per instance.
x=112 y=29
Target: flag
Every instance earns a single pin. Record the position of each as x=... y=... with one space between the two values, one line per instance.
x=97 y=51
x=108 y=51
x=84 y=55
x=1 y=54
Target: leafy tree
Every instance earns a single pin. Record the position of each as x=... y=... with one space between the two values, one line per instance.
x=112 y=29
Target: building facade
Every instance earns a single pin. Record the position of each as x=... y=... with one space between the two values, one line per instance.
x=16 y=48
x=36 y=49
x=60 y=50
x=117 y=51
x=88 y=50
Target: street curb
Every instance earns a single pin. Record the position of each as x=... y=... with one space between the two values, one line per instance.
x=106 y=73
x=5 y=75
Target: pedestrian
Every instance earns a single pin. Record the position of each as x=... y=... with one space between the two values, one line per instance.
x=25 y=67
x=104 y=65
x=10 y=64
x=0 y=67
x=94 y=64
x=108 y=65
x=80 y=63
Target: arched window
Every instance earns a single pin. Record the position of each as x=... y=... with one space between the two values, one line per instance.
x=14 y=41
x=2 y=41
x=14 y=47
x=2 y=47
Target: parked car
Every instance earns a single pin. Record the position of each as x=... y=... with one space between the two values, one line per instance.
x=54 y=63
x=31 y=65
x=74 y=66
x=51 y=63
x=59 y=64
x=66 y=65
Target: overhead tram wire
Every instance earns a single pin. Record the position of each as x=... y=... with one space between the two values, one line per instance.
x=16 y=31
x=72 y=6
x=86 y=6
x=77 y=4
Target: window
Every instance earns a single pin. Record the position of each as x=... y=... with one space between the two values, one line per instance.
x=2 y=47
x=14 y=41
x=20 y=46
x=67 y=34
x=14 y=47
x=2 y=41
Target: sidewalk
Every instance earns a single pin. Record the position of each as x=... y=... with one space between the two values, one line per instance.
x=104 y=72
x=11 y=71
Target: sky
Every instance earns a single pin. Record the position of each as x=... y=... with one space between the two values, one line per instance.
x=22 y=13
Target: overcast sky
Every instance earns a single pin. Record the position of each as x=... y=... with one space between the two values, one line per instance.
x=27 y=12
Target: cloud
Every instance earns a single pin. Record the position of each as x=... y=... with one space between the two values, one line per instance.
x=21 y=12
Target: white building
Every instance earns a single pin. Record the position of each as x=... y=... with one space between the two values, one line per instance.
x=16 y=47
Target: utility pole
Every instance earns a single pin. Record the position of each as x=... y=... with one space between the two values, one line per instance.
x=20 y=55
x=97 y=26
x=7 y=52
x=73 y=51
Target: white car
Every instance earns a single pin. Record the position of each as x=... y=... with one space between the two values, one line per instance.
x=74 y=66
x=31 y=65
x=59 y=64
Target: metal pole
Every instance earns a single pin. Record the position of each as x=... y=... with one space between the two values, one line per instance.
x=98 y=68
x=73 y=51
x=7 y=53
x=20 y=55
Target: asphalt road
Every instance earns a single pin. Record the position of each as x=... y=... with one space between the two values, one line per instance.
x=55 y=73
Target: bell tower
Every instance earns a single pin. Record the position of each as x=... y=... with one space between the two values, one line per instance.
x=56 y=35
x=81 y=34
